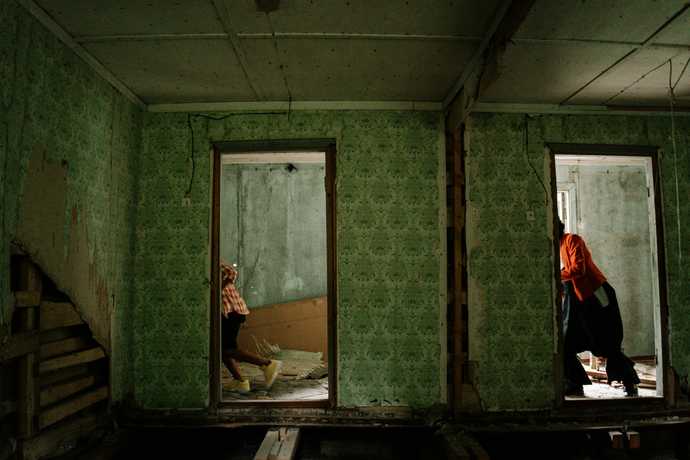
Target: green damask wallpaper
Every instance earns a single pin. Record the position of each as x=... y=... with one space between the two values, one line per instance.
x=64 y=130
x=510 y=264
x=391 y=253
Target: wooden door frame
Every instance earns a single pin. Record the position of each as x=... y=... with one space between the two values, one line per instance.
x=328 y=146
x=652 y=152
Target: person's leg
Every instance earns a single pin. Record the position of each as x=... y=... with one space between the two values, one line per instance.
x=231 y=365
x=574 y=375
x=247 y=357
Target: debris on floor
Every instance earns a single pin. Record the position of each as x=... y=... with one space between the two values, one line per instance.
x=304 y=376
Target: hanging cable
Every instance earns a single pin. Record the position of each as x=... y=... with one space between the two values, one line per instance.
x=526 y=136
x=191 y=116
x=672 y=101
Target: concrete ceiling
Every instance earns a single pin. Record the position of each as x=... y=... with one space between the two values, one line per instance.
x=594 y=52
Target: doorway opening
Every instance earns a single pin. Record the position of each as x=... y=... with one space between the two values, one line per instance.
x=608 y=195
x=274 y=214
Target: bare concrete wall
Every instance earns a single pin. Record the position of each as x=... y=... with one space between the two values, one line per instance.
x=613 y=218
x=68 y=145
x=273 y=225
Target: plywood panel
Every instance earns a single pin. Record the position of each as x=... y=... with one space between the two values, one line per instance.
x=163 y=71
x=466 y=17
x=103 y=17
x=619 y=20
x=549 y=74
x=357 y=69
x=297 y=325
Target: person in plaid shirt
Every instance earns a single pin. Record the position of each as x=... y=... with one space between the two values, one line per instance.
x=234 y=312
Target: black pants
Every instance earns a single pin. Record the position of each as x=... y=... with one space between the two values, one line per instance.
x=589 y=326
x=230 y=327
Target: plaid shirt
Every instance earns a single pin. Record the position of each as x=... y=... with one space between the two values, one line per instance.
x=232 y=301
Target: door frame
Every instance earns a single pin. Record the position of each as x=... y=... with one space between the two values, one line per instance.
x=328 y=146
x=553 y=149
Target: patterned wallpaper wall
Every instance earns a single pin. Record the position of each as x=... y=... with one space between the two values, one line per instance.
x=510 y=264
x=391 y=253
x=58 y=112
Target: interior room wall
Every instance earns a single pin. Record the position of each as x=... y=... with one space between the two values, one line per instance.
x=510 y=244
x=391 y=234
x=613 y=211
x=69 y=143
x=273 y=225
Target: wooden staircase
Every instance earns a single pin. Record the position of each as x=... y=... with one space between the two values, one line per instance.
x=61 y=372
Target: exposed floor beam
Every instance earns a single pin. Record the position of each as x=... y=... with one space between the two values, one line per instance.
x=285 y=106
x=43 y=17
x=221 y=8
x=644 y=45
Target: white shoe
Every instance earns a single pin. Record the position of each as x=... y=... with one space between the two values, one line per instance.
x=271 y=371
x=241 y=386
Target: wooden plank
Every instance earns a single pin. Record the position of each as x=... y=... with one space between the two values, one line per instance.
x=63 y=333
x=55 y=393
x=67 y=373
x=13 y=346
x=72 y=359
x=270 y=439
x=58 y=439
x=61 y=347
x=72 y=406
x=633 y=439
x=288 y=448
x=27 y=387
x=616 y=439
x=24 y=299
x=58 y=314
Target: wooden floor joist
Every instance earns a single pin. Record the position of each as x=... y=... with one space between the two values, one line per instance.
x=279 y=444
x=71 y=406
x=81 y=357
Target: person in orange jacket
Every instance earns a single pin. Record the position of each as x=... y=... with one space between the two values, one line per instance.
x=591 y=319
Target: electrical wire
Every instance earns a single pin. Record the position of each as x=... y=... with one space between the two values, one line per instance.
x=672 y=101
x=191 y=116
x=546 y=193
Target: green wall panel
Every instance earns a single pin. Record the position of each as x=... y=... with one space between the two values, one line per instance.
x=510 y=255
x=65 y=127
x=391 y=253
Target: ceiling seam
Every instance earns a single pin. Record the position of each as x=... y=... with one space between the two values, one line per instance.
x=224 y=16
x=639 y=79
x=61 y=34
x=280 y=61
x=644 y=45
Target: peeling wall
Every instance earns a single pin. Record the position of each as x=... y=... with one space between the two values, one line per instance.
x=273 y=225
x=68 y=144
x=391 y=254
x=510 y=246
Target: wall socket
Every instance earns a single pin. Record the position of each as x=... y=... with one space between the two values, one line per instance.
x=186 y=202
x=530 y=215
